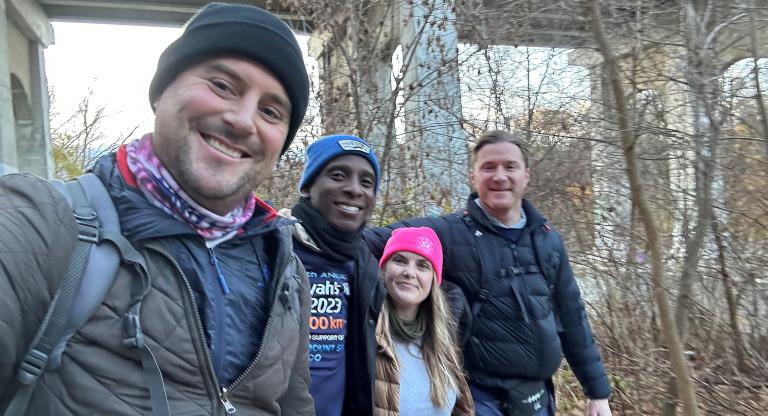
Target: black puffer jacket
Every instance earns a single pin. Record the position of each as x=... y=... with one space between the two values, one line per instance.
x=99 y=375
x=515 y=334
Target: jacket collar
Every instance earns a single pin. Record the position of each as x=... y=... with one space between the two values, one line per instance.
x=141 y=220
x=384 y=343
x=535 y=219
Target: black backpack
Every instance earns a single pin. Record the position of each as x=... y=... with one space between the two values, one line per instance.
x=100 y=251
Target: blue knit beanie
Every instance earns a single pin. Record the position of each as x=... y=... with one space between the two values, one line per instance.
x=328 y=148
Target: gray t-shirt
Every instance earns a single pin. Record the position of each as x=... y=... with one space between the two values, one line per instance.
x=414 y=384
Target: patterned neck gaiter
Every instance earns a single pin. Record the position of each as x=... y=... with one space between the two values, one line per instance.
x=159 y=187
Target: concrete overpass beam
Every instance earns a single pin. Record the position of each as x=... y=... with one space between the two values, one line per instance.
x=31 y=20
x=432 y=107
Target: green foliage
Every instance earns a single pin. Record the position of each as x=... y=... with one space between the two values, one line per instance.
x=66 y=161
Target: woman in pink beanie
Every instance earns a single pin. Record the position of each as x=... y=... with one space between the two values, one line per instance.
x=418 y=366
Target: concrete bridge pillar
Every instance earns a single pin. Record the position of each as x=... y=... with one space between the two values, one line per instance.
x=25 y=143
x=355 y=65
x=334 y=73
x=611 y=183
x=357 y=95
x=613 y=204
x=36 y=152
x=8 y=159
x=432 y=101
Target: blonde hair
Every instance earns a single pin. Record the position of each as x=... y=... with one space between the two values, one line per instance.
x=438 y=345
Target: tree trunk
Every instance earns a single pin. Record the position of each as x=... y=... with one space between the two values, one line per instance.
x=730 y=298
x=679 y=365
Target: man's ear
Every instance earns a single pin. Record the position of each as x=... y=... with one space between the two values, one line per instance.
x=471 y=178
x=304 y=193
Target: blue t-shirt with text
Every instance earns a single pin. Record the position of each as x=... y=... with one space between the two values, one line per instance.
x=329 y=289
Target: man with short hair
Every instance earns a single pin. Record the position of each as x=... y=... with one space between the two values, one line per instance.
x=526 y=305
x=337 y=195
x=225 y=303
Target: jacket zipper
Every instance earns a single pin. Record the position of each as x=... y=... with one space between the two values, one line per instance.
x=223 y=392
x=219 y=274
x=211 y=375
x=270 y=319
x=229 y=408
x=219 y=301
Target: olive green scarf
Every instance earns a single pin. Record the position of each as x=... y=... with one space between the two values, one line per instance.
x=411 y=331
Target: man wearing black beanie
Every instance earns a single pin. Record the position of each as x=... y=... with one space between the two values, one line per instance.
x=209 y=316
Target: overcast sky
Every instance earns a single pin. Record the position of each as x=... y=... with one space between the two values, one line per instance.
x=116 y=62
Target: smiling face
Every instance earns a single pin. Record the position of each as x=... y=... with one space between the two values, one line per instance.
x=344 y=192
x=408 y=278
x=500 y=176
x=219 y=130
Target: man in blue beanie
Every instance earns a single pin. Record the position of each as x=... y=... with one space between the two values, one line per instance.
x=216 y=319
x=337 y=195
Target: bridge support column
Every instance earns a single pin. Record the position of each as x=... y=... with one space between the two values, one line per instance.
x=25 y=141
x=432 y=107
x=335 y=103
x=613 y=204
x=35 y=153
x=613 y=200
x=8 y=160
x=377 y=103
x=355 y=65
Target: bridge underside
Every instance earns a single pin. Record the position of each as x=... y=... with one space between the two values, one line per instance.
x=538 y=23
x=544 y=23
x=162 y=12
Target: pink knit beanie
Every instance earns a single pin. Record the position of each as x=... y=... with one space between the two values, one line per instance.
x=420 y=240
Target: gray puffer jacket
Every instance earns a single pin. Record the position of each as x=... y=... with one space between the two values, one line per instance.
x=98 y=375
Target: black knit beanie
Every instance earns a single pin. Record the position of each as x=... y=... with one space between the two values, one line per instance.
x=221 y=29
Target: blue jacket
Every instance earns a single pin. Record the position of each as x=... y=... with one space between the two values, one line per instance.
x=516 y=333
x=234 y=324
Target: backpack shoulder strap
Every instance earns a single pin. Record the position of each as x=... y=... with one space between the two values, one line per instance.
x=98 y=279
x=546 y=264
x=547 y=269
x=88 y=194
x=473 y=233
x=54 y=326
x=92 y=270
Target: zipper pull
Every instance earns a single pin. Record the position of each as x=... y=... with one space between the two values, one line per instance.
x=219 y=275
x=284 y=296
x=228 y=407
